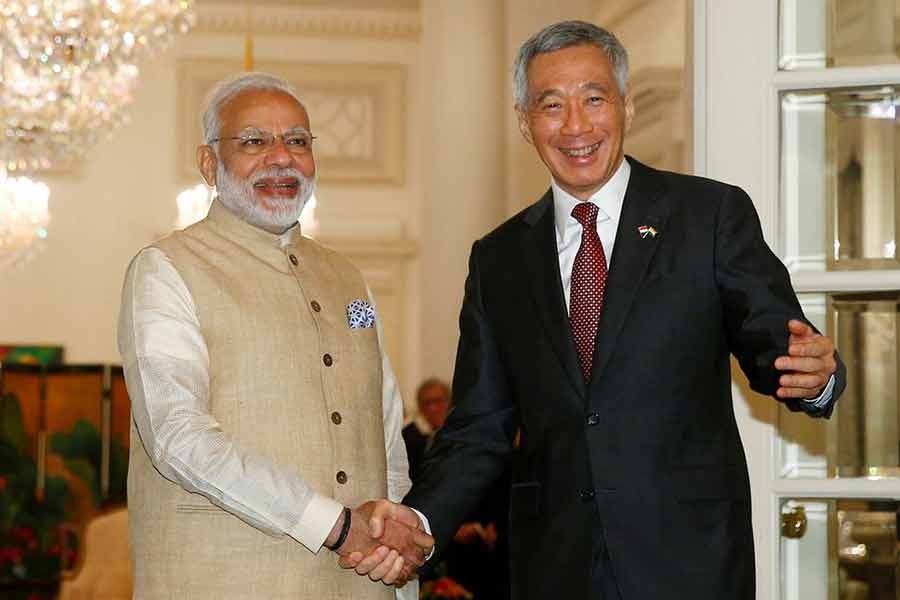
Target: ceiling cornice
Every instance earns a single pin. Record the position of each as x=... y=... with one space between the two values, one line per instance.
x=310 y=21
x=612 y=15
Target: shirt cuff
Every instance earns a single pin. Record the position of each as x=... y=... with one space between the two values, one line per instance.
x=426 y=525
x=825 y=397
x=317 y=522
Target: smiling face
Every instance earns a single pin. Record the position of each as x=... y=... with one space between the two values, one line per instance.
x=269 y=188
x=576 y=117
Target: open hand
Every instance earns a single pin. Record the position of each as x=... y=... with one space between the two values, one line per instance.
x=809 y=364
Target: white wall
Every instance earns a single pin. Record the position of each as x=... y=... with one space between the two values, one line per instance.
x=466 y=165
x=526 y=176
x=121 y=198
x=655 y=34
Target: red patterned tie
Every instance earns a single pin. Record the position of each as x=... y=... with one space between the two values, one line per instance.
x=588 y=286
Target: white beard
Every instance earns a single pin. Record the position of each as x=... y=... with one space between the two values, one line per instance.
x=236 y=195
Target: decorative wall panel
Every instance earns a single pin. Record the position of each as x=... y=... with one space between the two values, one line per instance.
x=339 y=19
x=657 y=135
x=357 y=112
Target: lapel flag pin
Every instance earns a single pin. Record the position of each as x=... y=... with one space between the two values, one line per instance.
x=645 y=231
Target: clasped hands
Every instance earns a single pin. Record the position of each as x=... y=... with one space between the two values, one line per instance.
x=386 y=541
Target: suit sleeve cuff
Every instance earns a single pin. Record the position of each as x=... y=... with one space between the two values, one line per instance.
x=825 y=397
x=426 y=525
x=317 y=522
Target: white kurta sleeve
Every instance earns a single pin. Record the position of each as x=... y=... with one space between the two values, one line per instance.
x=166 y=365
x=398 y=482
x=397 y=462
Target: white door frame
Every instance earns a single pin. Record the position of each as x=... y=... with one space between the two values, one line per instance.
x=735 y=115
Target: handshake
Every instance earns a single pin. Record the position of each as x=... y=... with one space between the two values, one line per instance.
x=381 y=539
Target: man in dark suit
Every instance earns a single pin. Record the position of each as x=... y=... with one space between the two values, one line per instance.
x=433 y=401
x=601 y=321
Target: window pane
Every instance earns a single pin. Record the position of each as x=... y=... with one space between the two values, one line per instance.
x=839 y=549
x=838 y=33
x=865 y=438
x=840 y=151
x=862 y=439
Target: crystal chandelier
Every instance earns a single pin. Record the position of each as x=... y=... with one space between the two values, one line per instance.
x=23 y=217
x=67 y=70
x=68 y=67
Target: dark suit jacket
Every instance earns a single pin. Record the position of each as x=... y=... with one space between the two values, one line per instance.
x=648 y=452
x=416 y=442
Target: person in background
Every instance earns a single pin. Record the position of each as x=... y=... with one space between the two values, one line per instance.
x=477 y=557
x=433 y=401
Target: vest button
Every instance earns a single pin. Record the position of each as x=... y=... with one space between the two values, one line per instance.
x=327 y=360
x=593 y=419
x=341 y=477
x=586 y=495
x=294 y=260
x=336 y=418
x=316 y=306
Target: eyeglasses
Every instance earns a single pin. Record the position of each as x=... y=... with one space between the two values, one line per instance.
x=297 y=141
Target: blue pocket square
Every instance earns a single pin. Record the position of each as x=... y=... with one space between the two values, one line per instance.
x=360 y=315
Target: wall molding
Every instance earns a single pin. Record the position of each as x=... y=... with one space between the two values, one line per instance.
x=310 y=21
x=655 y=90
x=613 y=15
x=365 y=147
x=362 y=250
x=657 y=135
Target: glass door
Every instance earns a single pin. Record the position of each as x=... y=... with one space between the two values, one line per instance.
x=839 y=203
x=798 y=101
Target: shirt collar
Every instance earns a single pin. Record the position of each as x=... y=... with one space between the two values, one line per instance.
x=609 y=199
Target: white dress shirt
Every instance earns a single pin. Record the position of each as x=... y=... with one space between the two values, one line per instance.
x=609 y=200
x=169 y=357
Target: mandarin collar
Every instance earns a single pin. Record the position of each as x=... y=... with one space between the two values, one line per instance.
x=234 y=226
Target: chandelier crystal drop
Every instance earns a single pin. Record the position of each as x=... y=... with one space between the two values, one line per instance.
x=23 y=218
x=69 y=67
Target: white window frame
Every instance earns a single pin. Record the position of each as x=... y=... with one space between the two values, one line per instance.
x=767 y=480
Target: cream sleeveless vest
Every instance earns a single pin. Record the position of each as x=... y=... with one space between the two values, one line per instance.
x=283 y=363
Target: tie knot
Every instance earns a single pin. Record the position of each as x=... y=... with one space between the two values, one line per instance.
x=586 y=214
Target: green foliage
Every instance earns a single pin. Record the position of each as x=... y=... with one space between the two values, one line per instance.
x=12 y=428
x=81 y=450
x=29 y=526
x=118 y=472
x=31 y=544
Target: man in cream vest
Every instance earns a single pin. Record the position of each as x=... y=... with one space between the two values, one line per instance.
x=263 y=405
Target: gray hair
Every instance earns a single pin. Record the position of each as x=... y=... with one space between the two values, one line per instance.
x=227 y=89
x=566 y=34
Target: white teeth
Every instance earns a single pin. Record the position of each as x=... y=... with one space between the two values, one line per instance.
x=580 y=151
x=275 y=185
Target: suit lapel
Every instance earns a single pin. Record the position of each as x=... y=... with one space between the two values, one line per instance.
x=542 y=260
x=631 y=256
